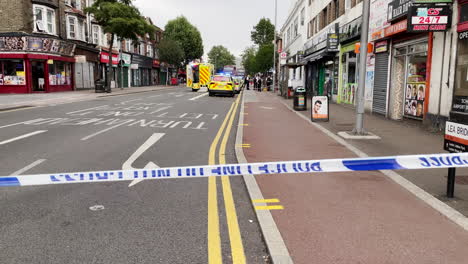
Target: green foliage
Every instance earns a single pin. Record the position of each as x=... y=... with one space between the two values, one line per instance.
x=248 y=60
x=220 y=57
x=264 y=58
x=188 y=37
x=263 y=33
x=171 y=52
x=120 y=18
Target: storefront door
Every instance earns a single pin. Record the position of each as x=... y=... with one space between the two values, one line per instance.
x=38 y=76
x=409 y=80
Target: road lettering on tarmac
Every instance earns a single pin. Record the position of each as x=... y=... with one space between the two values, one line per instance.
x=129 y=116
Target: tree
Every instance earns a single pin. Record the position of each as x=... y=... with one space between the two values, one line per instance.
x=220 y=57
x=171 y=52
x=263 y=33
x=188 y=37
x=264 y=58
x=249 y=60
x=120 y=19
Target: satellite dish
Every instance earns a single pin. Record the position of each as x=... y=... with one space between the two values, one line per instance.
x=40 y=26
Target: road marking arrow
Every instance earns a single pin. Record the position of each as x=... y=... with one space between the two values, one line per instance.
x=151 y=165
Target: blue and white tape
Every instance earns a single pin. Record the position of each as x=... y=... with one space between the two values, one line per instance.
x=409 y=162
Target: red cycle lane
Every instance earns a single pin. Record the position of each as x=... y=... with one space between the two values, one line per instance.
x=350 y=217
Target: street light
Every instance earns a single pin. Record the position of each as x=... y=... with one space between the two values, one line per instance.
x=274 y=49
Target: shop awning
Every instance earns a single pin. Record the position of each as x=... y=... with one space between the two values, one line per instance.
x=294 y=65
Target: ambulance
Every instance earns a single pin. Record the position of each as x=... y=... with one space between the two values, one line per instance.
x=199 y=75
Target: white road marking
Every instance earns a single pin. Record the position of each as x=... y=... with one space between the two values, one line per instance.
x=154 y=96
x=161 y=109
x=267 y=108
x=23 y=136
x=148 y=143
x=199 y=96
x=10 y=125
x=125 y=102
x=105 y=130
x=93 y=108
x=30 y=166
x=179 y=95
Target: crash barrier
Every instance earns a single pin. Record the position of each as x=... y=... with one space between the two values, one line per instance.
x=408 y=162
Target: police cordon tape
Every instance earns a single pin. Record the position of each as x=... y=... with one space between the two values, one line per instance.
x=408 y=162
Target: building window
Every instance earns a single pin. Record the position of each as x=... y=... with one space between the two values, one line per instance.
x=74 y=3
x=44 y=19
x=309 y=27
x=128 y=45
x=141 y=50
x=60 y=73
x=96 y=34
x=302 y=16
x=336 y=10
x=149 y=50
x=296 y=28
x=12 y=72
x=72 y=27
x=347 y=4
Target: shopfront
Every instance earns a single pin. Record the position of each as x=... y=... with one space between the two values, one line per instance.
x=349 y=61
x=459 y=111
x=124 y=70
x=29 y=64
x=321 y=62
x=86 y=67
x=156 y=72
x=163 y=74
x=104 y=66
x=142 y=75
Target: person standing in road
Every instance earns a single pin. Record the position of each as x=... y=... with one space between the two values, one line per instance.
x=259 y=84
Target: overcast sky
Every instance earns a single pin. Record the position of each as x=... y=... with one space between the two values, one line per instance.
x=220 y=22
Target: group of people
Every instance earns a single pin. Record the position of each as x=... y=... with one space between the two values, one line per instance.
x=257 y=81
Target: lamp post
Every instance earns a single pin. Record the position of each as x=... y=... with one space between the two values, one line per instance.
x=359 y=129
x=274 y=49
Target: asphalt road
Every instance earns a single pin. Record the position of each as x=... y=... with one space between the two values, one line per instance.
x=154 y=221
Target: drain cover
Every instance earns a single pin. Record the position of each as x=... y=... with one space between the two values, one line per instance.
x=97 y=208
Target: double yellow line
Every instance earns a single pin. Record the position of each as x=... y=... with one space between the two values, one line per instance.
x=214 y=239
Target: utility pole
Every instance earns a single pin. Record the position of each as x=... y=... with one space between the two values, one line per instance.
x=274 y=49
x=359 y=129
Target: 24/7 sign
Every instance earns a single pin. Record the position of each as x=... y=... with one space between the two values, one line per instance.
x=425 y=18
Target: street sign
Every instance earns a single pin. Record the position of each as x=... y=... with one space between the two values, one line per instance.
x=428 y=17
x=456 y=137
x=283 y=55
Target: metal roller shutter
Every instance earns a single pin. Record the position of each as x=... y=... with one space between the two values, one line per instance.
x=379 y=104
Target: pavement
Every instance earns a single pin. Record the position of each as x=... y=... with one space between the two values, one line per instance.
x=349 y=217
x=204 y=220
x=14 y=101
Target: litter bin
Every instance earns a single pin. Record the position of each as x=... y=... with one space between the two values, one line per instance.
x=300 y=99
x=99 y=86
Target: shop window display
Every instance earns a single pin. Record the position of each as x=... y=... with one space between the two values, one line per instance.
x=60 y=73
x=415 y=85
x=12 y=72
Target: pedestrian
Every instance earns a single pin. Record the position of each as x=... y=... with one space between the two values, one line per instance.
x=269 y=81
x=259 y=84
x=255 y=81
x=247 y=82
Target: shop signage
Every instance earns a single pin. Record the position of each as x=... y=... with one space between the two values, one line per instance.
x=463 y=35
x=381 y=46
x=456 y=137
x=142 y=61
x=378 y=19
x=332 y=42
x=460 y=104
x=105 y=58
x=431 y=1
x=156 y=63
x=35 y=44
x=397 y=9
x=320 y=41
x=425 y=18
x=320 y=108
x=126 y=59
x=395 y=28
x=351 y=31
